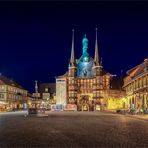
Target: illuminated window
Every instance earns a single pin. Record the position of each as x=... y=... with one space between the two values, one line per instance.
x=2 y=87
x=46 y=89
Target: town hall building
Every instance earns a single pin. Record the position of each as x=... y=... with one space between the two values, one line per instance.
x=86 y=83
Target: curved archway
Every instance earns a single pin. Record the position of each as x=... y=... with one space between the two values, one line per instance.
x=85 y=107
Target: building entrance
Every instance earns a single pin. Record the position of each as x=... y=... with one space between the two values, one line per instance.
x=84 y=103
x=85 y=107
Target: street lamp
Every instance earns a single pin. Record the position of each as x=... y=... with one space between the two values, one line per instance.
x=36 y=93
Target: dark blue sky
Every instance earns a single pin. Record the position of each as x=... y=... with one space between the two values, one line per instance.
x=35 y=37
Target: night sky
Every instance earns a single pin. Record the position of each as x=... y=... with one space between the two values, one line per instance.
x=35 y=37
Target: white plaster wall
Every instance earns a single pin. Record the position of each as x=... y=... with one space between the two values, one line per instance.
x=61 y=92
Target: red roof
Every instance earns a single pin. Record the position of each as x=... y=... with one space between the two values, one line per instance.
x=137 y=71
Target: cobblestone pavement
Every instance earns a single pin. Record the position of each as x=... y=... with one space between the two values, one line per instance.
x=72 y=129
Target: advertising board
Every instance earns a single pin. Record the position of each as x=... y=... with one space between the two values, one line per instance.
x=59 y=107
x=70 y=107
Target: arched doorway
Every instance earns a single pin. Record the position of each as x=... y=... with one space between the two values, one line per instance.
x=84 y=102
x=85 y=107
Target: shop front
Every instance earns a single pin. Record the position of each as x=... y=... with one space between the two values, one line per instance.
x=3 y=106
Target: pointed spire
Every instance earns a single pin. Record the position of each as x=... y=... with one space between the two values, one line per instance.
x=101 y=62
x=72 y=58
x=96 y=58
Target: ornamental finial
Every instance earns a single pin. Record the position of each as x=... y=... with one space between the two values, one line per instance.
x=85 y=44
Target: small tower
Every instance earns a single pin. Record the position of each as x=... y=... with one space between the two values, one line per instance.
x=71 y=79
x=97 y=83
x=72 y=64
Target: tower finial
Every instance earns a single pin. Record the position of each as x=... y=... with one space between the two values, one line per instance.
x=96 y=58
x=72 y=58
x=85 y=44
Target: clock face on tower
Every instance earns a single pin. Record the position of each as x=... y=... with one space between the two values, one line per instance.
x=84 y=68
